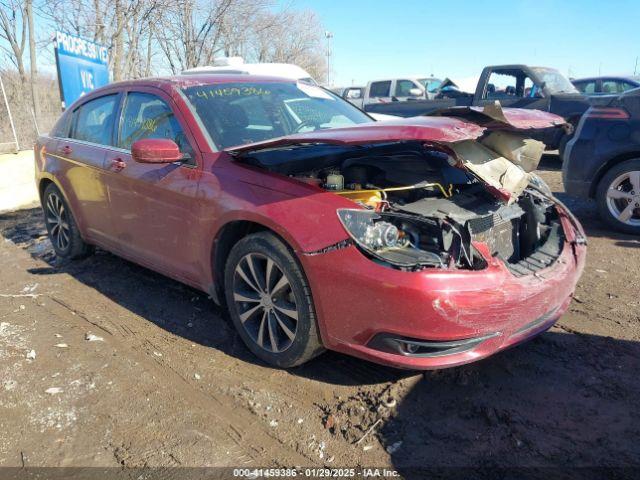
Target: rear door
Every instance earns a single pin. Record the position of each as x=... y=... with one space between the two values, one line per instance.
x=82 y=170
x=154 y=209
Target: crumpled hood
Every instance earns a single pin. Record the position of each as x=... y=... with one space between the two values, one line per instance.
x=492 y=143
x=469 y=123
x=445 y=130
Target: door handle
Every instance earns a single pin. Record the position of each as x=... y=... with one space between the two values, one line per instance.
x=67 y=150
x=118 y=164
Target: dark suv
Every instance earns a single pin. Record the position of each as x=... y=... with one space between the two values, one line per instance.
x=602 y=161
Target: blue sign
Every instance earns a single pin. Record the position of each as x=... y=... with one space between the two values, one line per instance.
x=82 y=66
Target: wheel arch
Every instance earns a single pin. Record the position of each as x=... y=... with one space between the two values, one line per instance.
x=608 y=165
x=226 y=237
x=43 y=183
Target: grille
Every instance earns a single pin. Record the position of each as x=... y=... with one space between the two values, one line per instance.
x=500 y=235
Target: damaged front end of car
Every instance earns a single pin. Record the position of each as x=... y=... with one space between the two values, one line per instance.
x=435 y=193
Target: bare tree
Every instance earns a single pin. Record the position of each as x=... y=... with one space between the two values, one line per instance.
x=118 y=24
x=289 y=36
x=13 y=32
x=193 y=33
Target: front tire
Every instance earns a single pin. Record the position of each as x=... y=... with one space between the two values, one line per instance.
x=270 y=302
x=618 y=197
x=61 y=226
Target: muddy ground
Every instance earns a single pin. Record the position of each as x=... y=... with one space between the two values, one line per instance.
x=168 y=383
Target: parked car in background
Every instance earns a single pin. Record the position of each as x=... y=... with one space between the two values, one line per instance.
x=450 y=89
x=606 y=85
x=602 y=161
x=518 y=86
x=354 y=95
x=296 y=211
x=400 y=90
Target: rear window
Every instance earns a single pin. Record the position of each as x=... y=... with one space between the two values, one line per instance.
x=93 y=121
x=380 y=89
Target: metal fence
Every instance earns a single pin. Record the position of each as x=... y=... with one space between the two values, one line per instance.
x=19 y=126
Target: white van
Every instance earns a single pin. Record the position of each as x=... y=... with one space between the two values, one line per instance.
x=401 y=89
x=234 y=65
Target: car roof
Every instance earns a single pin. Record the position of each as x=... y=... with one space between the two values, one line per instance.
x=201 y=79
x=609 y=77
x=402 y=77
x=285 y=70
x=180 y=81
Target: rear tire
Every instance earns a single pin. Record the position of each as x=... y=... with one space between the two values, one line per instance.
x=618 y=197
x=269 y=301
x=61 y=226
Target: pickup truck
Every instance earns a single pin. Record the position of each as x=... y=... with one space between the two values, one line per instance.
x=518 y=86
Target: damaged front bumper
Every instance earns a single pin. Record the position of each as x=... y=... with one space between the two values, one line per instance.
x=433 y=318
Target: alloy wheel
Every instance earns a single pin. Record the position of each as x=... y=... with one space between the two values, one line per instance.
x=265 y=302
x=58 y=222
x=623 y=198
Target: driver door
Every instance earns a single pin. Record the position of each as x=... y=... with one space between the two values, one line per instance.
x=153 y=206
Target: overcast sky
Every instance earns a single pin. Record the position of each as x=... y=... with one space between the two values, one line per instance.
x=377 y=38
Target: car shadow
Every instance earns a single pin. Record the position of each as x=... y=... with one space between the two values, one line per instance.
x=171 y=305
x=563 y=402
x=563 y=399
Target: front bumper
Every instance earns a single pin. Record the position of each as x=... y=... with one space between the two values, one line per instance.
x=358 y=300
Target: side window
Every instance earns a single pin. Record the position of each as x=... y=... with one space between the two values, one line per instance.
x=403 y=87
x=147 y=116
x=501 y=86
x=380 y=89
x=586 y=87
x=61 y=127
x=93 y=121
x=628 y=86
x=611 y=86
x=353 y=93
x=505 y=85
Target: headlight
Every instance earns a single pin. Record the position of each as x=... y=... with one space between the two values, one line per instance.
x=397 y=239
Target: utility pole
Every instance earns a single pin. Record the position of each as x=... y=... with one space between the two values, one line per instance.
x=33 y=62
x=635 y=68
x=329 y=36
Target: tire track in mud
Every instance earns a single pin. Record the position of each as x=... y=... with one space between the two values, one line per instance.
x=246 y=442
x=252 y=444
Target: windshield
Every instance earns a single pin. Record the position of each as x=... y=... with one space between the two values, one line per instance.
x=430 y=84
x=554 y=81
x=239 y=113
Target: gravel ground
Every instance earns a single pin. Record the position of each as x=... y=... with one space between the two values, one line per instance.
x=104 y=363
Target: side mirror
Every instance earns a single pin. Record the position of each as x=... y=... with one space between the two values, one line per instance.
x=415 y=92
x=155 y=150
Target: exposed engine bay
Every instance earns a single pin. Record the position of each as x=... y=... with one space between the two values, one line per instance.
x=416 y=206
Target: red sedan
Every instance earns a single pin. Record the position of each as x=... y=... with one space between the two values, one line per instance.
x=419 y=243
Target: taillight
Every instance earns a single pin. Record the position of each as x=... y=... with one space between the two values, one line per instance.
x=609 y=113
